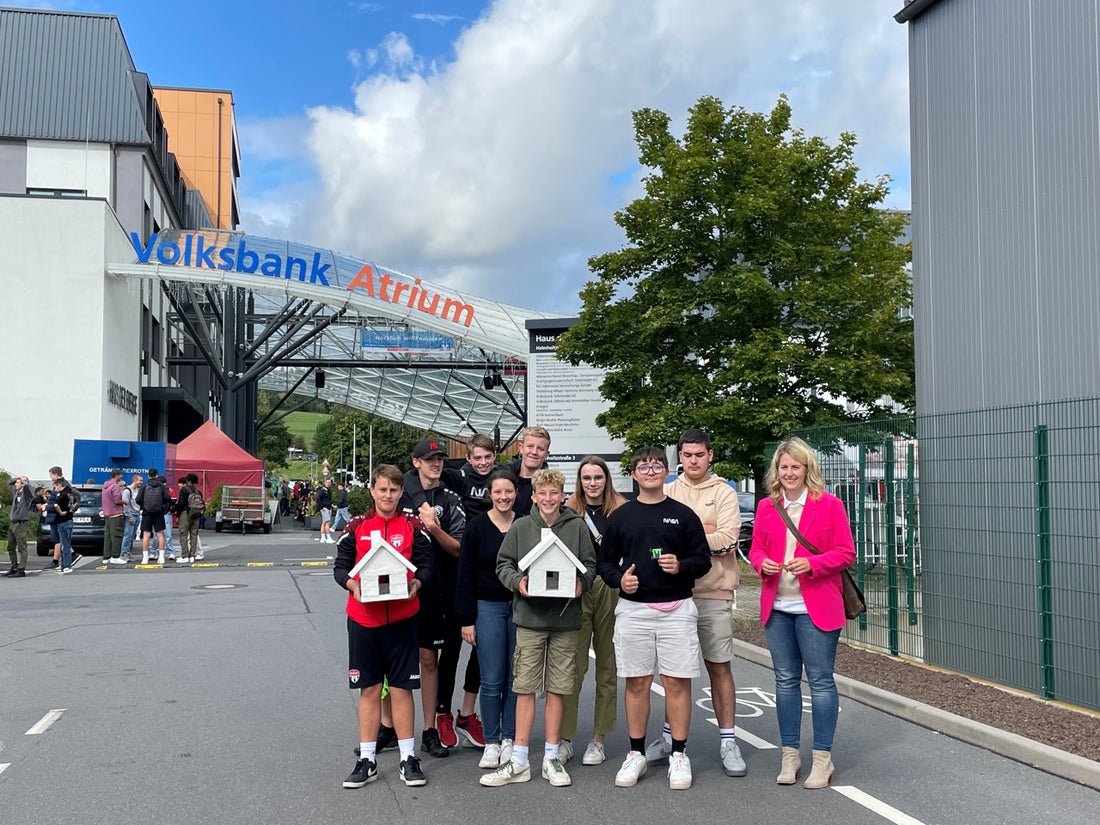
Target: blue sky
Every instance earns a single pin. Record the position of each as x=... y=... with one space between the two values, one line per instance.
x=486 y=145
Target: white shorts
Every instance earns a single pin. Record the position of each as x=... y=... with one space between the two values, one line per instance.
x=326 y=514
x=649 y=641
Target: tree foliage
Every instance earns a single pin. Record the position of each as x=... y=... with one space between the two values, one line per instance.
x=759 y=290
x=275 y=442
x=393 y=442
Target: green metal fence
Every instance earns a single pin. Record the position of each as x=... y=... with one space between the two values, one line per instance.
x=978 y=540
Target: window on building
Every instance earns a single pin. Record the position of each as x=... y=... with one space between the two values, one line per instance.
x=155 y=348
x=57 y=193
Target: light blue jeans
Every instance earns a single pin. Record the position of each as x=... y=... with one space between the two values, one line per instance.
x=795 y=641
x=496 y=642
x=128 y=536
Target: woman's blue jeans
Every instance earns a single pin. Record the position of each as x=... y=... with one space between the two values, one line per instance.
x=496 y=642
x=795 y=641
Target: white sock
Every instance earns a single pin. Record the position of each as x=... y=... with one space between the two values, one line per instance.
x=550 y=751
x=521 y=754
x=368 y=750
x=667 y=733
x=407 y=748
x=727 y=735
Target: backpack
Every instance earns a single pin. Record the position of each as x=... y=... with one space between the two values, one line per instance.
x=195 y=505
x=152 y=501
x=74 y=500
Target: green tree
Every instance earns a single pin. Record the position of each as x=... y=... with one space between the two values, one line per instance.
x=274 y=442
x=761 y=289
x=393 y=442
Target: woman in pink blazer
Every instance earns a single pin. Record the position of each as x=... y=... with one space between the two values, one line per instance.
x=800 y=601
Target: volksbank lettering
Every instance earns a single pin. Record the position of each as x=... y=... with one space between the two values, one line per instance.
x=196 y=252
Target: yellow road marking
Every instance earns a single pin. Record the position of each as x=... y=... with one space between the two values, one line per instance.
x=260 y=564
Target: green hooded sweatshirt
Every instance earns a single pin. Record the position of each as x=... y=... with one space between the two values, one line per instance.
x=545 y=613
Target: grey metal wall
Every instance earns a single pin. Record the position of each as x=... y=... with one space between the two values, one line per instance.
x=1005 y=118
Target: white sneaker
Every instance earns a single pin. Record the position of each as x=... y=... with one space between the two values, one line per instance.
x=490 y=757
x=565 y=751
x=732 y=762
x=160 y=559
x=171 y=557
x=198 y=556
x=144 y=558
x=555 y=773
x=594 y=754
x=633 y=769
x=182 y=560
x=506 y=774
x=117 y=561
x=506 y=751
x=679 y=771
x=658 y=750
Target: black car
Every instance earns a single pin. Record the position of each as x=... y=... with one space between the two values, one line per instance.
x=87 y=523
x=747 y=503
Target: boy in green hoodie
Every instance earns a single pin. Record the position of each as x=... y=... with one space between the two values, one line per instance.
x=546 y=632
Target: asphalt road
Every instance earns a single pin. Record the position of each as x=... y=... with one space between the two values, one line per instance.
x=217 y=695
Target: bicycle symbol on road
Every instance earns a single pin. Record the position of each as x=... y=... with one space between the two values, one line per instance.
x=751 y=702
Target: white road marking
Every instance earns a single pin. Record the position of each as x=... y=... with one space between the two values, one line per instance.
x=43 y=724
x=876 y=805
x=4 y=766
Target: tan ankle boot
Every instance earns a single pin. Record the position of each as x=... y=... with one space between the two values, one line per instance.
x=821 y=774
x=790 y=767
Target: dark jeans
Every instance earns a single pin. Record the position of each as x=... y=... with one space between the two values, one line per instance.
x=448 y=667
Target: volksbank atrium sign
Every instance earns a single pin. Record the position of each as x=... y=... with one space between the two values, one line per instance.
x=271 y=259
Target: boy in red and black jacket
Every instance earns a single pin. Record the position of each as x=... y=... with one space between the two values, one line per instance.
x=383 y=641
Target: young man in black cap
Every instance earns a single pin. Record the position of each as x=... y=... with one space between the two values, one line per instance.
x=440 y=511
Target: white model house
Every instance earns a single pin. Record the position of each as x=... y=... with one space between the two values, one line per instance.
x=551 y=568
x=382 y=572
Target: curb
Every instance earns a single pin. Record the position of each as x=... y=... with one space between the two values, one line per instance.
x=1012 y=745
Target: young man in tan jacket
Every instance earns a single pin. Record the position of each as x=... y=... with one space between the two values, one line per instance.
x=715 y=502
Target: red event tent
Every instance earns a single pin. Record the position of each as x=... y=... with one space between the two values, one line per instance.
x=215 y=459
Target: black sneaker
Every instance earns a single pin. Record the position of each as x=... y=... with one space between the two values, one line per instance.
x=429 y=743
x=55 y=563
x=411 y=773
x=387 y=738
x=364 y=773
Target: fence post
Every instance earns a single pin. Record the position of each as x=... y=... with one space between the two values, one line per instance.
x=910 y=531
x=891 y=546
x=1042 y=552
x=861 y=530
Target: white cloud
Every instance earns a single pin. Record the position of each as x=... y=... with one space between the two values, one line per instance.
x=498 y=173
x=440 y=19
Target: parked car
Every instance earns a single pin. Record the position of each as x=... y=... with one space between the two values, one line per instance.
x=747 y=503
x=87 y=523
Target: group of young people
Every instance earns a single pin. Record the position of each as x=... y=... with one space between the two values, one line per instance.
x=654 y=594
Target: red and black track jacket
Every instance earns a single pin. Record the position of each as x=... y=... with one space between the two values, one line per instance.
x=408 y=536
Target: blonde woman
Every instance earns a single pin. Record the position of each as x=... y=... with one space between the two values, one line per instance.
x=594 y=499
x=801 y=606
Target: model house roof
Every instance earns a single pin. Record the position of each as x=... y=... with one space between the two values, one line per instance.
x=380 y=545
x=549 y=541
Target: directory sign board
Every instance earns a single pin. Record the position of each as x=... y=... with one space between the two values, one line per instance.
x=566 y=400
